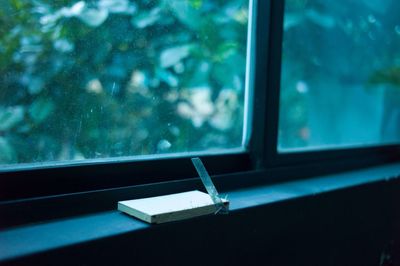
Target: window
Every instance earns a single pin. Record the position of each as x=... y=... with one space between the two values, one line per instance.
x=112 y=93
x=118 y=78
x=340 y=83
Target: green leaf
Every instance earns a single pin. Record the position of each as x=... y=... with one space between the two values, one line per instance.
x=10 y=117
x=35 y=85
x=146 y=19
x=386 y=76
x=174 y=55
x=167 y=77
x=186 y=12
x=93 y=17
x=117 y=6
x=196 y=3
x=40 y=110
x=225 y=50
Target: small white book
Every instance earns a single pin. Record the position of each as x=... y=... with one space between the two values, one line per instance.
x=169 y=208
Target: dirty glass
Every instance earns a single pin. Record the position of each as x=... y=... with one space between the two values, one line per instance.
x=103 y=79
x=340 y=83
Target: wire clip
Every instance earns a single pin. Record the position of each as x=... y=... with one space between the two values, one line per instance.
x=209 y=185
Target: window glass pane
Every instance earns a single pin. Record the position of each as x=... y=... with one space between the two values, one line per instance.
x=113 y=78
x=340 y=83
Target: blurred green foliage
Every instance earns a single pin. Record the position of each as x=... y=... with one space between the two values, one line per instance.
x=114 y=78
x=338 y=57
x=387 y=76
x=111 y=78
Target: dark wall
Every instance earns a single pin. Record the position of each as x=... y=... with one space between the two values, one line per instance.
x=358 y=226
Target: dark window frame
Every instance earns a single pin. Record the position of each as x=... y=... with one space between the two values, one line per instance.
x=261 y=155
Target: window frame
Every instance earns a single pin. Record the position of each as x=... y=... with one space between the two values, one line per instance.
x=261 y=155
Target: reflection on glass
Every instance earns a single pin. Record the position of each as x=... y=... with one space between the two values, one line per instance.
x=111 y=78
x=340 y=82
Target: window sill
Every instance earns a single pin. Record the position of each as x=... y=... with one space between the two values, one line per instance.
x=26 y=240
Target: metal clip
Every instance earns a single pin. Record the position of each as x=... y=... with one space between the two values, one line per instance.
x=209 y=185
